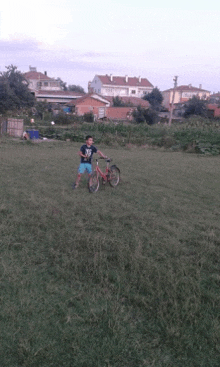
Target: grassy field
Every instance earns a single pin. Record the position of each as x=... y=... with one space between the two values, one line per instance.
x=125 y=277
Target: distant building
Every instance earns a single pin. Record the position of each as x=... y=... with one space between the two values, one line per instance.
x=39 y=81
x=215 y=98
x=48 y=89
x=60 y=97
x=90 y=103
x=110 y=85
x=182 y=94
x=213 y=110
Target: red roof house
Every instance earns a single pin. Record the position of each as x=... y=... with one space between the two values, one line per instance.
x=110 y=85
x=213 y=110
x=91 y=102
x=182 y=94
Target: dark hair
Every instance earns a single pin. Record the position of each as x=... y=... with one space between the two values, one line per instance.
x=88 y=137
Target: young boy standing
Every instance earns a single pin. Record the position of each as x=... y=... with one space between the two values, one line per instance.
x=86 y=153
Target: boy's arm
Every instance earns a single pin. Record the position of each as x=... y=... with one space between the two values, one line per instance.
x=81 y=154
x=101 y=154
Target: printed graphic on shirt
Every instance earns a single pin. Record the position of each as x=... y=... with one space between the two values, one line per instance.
x=88 y=153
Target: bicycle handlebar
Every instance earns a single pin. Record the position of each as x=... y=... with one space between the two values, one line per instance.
x=106 y=159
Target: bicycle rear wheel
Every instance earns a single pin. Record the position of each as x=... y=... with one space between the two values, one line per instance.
x=93 y=183
x=114 y=176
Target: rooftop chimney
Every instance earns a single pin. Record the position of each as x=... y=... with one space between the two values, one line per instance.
x=45 y=73
x=200 y=86
x=139 y=79
x=126 y=78
x=111 y=77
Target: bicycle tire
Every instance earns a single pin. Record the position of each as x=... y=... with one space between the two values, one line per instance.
x=93 y=183
x=114 y=176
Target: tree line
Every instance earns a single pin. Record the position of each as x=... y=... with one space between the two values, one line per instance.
x=16 y=96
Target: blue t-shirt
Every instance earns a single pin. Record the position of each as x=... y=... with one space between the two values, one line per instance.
x=87 y=151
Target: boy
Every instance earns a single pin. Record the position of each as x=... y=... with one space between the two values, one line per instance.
x=86 y=153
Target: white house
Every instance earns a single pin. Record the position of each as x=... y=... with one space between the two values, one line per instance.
x=110 y=85
x=48 y=89
x=39 y=81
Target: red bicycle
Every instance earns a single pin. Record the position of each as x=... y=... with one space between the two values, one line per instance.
x=111 y=175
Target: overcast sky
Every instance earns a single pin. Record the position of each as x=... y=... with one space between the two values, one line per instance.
x=75 y=40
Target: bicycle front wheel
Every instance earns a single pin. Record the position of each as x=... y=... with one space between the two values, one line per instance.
x=93 y=183
x=114 y=176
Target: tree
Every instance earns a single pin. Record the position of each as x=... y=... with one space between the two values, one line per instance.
x=76 y=88
x=147 y=115
x=42 y=107
x=195 y=106
x=14 y=92
x=155 y=99
x=118 y=102
x=62 y=83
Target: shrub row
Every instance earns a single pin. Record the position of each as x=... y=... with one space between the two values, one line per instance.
x=200 y=137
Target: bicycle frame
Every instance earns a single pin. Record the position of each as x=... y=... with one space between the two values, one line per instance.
x=98 y=171
x=111 y=175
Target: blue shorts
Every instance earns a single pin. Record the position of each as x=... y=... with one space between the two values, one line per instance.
x=85 y=167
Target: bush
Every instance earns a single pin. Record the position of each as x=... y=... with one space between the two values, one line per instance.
x=195 y=106
x=147 y=115
x=200 y=136
x=88 y=117
x=65 y=119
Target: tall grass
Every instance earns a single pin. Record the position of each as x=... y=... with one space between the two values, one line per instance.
x=125 y=277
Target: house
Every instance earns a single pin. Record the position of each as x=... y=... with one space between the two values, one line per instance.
x=91 y=102
x=60 y=97
x=182 y=94
x=48 y=89
x=213 y=110
x=215 y=98
x=109 y=85
x=39 y=81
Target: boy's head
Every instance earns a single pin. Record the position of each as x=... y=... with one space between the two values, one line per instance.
x=89 y=140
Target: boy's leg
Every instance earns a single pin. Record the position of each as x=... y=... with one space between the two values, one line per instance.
x=78 y=179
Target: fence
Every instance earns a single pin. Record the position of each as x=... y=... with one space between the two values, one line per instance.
x=15 y=127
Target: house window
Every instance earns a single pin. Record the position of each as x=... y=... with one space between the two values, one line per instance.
x=45 y=84
x=133 y=91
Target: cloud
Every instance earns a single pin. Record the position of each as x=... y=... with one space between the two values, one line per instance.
x=75 y=66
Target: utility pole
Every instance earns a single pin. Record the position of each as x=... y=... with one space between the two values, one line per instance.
x=174 y=91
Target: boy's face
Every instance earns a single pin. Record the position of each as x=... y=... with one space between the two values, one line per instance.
x=89 y=142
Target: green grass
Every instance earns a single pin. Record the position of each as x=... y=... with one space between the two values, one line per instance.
x=124 y=277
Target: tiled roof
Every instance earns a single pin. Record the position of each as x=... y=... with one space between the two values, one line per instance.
x=90 y=95
x=215 y=94
x=121 y=80
x=187 y=88
x=134 y=101
x=119 y=113
x=36 y=75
